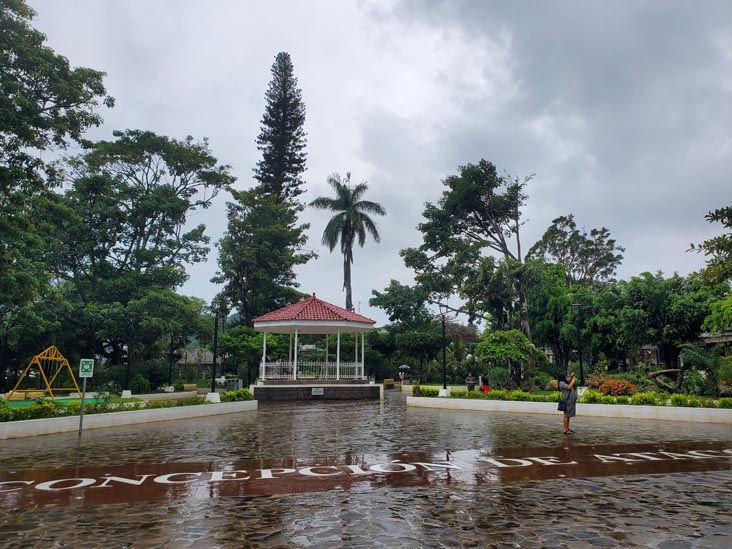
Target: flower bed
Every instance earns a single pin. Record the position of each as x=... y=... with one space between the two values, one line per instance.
x=590 y=397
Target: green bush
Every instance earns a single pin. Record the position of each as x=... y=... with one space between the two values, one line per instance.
x=608 y=399
x=499 y=377
x=498 y=394
x=725 y=403
x=139 y=385
x=189 y=401
x=237 y=396
x=520 y=396
x=645 y=399
x=157 y=404
x=622 y=399
x=42 y=409
x=430 y=392
x=6 y=413
x=592 y=397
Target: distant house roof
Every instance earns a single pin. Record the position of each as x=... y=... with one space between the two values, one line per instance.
x=312 y=316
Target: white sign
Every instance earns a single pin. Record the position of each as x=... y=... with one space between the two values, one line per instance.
x=318 y=391
x=86 y=367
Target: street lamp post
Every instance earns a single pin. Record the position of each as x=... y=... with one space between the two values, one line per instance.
x=217 y=304
x=443 y=313
x=579 y=307
x=215 y=349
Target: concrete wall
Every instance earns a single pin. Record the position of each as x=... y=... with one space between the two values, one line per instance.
x=305 y=392
x=667 y=413
x=33 y=427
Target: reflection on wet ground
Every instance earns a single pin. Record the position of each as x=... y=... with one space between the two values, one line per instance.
x=666 y=503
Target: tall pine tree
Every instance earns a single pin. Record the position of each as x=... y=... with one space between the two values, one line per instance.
x=264 y=242
x=282 y=138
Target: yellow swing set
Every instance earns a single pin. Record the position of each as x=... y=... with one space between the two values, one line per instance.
x=50 y=364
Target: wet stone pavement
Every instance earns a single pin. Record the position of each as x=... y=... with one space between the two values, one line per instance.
x=687 y=506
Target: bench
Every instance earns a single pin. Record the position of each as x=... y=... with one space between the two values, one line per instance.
x=25 y=395
x=190 y=386
x=388 y=383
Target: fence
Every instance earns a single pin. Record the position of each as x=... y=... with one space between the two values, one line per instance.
x=314 y=369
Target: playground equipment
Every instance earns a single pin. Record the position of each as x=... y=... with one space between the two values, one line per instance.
x=50 y=364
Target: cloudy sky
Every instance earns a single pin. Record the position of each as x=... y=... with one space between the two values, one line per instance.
x=623 y=110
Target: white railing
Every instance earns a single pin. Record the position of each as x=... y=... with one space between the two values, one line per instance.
x=313 y=369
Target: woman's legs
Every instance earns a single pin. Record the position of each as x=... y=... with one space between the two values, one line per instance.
x=566 y=424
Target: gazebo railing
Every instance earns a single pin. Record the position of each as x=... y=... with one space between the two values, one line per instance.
x=313 y=369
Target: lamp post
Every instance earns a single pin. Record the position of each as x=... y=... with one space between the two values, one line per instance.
x=217 y=304
x=579 y=307
x=443 y=314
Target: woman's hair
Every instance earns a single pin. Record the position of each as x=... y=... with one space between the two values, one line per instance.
x=562 y=377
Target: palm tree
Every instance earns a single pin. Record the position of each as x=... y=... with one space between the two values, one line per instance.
x=351 y=221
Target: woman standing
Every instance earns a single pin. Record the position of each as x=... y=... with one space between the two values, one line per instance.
x=570 y=396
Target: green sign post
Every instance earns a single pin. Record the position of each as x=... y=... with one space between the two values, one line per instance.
x=86 y=369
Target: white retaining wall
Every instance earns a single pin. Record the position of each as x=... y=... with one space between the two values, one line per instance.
x=33 y=427
x=668 y=413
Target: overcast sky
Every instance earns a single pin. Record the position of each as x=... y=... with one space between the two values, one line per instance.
x=623 y=110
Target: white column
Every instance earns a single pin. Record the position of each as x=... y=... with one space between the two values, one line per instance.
x=294 y=365
x=363 y=351
x=264 y=354
x=338 y=356
x=289 y=351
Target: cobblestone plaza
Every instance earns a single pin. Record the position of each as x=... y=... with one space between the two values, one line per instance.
x=406 y=500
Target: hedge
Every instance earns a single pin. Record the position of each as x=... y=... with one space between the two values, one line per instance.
x=590 y=397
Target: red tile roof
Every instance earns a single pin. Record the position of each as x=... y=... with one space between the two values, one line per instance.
x=313 y=309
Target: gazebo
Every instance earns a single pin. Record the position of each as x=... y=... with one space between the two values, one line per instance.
x=313 y=316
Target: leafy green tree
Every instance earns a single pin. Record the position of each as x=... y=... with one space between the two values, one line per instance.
x=510 y=349
x=122 y=222
x=350 y=222
x=44 y=104
x=480 y=211
x=117 y=237
x=665 y=312
x=282 y=137
x=587 y=258
x=718 y=249
x=258 y=253
x=244 y=346
x=423 y=345
x=404 y=304
x=550 y=305
x=720 y=319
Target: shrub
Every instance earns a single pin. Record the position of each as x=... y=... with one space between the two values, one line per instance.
x=190 y=401
x=592 y=397
x=519 y=395
x=156 y=404
x=41 y=409
x=608 y=399
x=622 y=399
x=498 y=394
x=594 y=381
x=6 y=413
x=499 y=377
x=430 y=392
x=725 y=402
x=540 y=381
x=645 y=399
x=617 y=387
x=237 y=396
x=552 y=385
x=139 y=385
